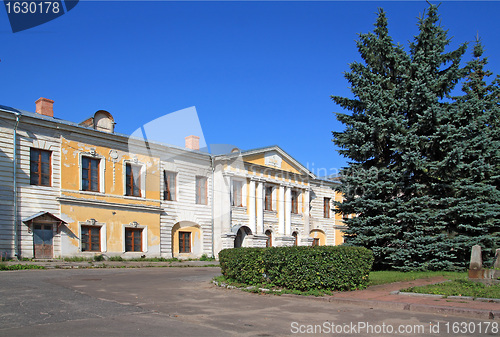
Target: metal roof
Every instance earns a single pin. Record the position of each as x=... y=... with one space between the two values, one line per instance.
x=39 y=214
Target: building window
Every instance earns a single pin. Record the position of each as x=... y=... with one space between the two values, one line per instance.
x=326 y=207
x=201 y=190
x=90 y=174
x=269 y=241
x=91 y=239
x=315 y=242
x=237 y=193
x=269 y=198
x=169 y=192
x=184 y=242
x=133 y=239
x=40 y=167
x=133 y=180
x=296 y=239
x=295 y=202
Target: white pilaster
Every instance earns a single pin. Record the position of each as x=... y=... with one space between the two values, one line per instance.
x=306 y=212
x=281 y=210
x=260 y=208
x=251 y=207
x=288 y=211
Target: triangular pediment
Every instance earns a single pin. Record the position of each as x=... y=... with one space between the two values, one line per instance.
x=274 y=157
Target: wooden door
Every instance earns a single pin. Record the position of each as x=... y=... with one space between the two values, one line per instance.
x=42 y=241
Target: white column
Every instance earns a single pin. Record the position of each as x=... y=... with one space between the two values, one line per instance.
x=260 y=208
x=281 y=210
x=306 y=212
x=251 y=207
x=226 y=204
x=288 y=211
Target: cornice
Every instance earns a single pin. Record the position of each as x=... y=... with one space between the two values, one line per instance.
x=114 y=205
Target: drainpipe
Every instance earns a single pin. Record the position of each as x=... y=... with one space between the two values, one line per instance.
x=16 y=245
x=213 y=226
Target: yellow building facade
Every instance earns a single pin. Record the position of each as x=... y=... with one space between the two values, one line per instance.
x=126 y=220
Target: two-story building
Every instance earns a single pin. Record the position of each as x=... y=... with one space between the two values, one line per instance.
x=80 y=189
x=264 y=197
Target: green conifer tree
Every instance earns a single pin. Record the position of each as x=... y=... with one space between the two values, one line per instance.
x=411 y=158
x=371 y=183
x=474 y=211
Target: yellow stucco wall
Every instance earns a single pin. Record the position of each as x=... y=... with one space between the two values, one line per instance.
x=316 y=233
x=114 y=169
x=115 y=219
x=259 y=159
x=338 y=197
x=196 y=243
x=288 y=167
x=113 y=192
x=338 y=237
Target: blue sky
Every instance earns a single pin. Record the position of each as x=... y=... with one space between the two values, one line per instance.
x=259 y=73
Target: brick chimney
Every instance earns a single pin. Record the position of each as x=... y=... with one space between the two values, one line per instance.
x=193 y=142
x=45 y=106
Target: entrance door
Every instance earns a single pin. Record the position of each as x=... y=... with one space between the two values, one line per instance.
x=42 y=241
x=238 y=241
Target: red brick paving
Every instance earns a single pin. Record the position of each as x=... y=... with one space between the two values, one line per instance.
x=380 y=295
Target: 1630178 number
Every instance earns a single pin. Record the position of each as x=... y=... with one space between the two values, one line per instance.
x=32 y=7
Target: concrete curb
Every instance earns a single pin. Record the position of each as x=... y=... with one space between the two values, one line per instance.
x=469 y=298
x=113 y=264
x=423 y=308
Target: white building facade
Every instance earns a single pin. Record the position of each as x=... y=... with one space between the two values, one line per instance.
x=82 y=189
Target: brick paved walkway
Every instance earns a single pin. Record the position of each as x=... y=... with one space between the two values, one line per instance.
x=384 y=296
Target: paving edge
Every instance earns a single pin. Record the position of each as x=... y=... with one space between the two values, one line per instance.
x=423 y=308
x=470 y=298
x=392 y=305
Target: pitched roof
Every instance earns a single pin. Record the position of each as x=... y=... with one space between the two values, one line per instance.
x=39 y=214
x=275 y=148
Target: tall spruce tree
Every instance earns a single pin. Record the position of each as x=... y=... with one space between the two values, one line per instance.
x=403 y=180
x=474 y=212
x=371 y=183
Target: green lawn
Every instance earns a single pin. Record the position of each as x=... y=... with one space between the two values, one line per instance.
x=459 y=287
x=383 y=277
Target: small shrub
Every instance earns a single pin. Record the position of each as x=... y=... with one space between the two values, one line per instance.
x=115 y=258
x=204 y=257
x=99 y=257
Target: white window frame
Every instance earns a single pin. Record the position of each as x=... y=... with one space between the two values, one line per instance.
x=243 y=191
x=144 y=237
x=274 y=195
x=142 y=181
x=102 y=235
x=196 y=189
x=102 y=170
x=299 y=200
x=176 y=190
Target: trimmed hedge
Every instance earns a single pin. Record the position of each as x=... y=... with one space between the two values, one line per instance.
x=244 y=265
x=299 y=268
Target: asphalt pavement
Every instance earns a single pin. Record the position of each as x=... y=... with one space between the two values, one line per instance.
x=183 y=302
